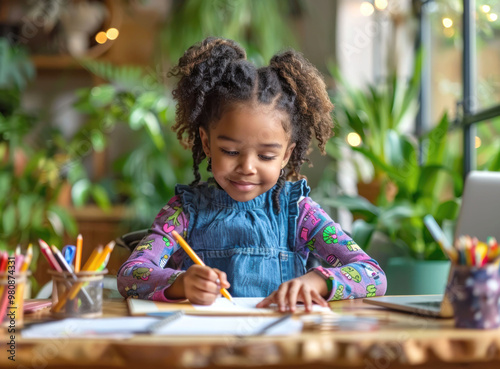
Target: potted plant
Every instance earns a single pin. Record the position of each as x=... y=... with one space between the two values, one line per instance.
x=415 y=176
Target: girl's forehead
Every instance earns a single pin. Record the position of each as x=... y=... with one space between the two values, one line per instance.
x=261 y=118
x=254 y=121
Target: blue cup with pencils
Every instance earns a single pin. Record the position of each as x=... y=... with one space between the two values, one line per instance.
x=474 y=286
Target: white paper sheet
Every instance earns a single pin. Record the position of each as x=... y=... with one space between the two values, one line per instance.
x=228 y=325
x=247 y=305
x=73 y=327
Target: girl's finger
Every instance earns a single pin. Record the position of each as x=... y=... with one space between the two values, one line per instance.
x=306 y=295
x=222 y=278
x=267 y=301
x=293 y=292
x=281 y=295
x=318 y=299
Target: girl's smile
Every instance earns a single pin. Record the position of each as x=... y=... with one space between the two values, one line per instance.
x=248 y=147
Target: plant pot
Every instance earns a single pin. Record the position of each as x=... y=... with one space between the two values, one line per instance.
x=406 y=276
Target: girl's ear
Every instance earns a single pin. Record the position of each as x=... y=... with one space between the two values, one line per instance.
x=205 y=141
x=288 y=153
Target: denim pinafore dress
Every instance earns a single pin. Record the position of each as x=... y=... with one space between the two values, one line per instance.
x=252 y=244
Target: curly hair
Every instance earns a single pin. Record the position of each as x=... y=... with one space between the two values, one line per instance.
x=215 y=74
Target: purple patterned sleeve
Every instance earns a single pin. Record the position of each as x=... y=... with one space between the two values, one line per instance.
x=145 y=274
x=353 y=274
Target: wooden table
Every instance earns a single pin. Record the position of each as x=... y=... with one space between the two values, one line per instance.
x=401 y=341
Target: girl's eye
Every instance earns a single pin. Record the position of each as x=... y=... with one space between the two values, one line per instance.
x=230 y=153
x=265 y=157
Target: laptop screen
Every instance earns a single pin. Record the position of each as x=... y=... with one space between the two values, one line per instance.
x=480 y=211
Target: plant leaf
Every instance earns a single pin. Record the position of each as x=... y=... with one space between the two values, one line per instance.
x=362 y=233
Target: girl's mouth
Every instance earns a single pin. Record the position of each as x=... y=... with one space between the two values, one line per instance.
x=243 y=186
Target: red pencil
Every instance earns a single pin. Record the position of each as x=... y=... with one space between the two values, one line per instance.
x=3 y=261
x=49 y=256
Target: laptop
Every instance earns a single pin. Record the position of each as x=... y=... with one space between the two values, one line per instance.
x=479 y=215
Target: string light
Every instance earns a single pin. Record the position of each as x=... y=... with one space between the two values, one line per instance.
x=485 y=8
x=353 y=139
x=478 y=142
x=381 y=4
x=447 y=22
x=492 y=17
x=101 y=37
x=112 y=33
x=366 y=8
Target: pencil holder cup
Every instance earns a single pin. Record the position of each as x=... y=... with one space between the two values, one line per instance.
x=474 y=293
x=12 y=290
x=77 y=294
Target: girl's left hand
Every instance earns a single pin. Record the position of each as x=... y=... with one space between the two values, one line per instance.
x=307 y=289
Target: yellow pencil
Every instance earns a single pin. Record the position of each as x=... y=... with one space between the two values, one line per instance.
x=27 y=258
x=104 y=255
x=197 y=260
x=78 y=253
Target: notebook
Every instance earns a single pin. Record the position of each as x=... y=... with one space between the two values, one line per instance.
x=479 y=214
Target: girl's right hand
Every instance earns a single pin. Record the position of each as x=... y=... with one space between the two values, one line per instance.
x=202 y=284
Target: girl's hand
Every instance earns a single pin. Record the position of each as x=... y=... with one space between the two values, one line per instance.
x=307 y=289
x=202 y=284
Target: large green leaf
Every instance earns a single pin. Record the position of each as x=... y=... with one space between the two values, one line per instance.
x=355 y=204
x=362 y=232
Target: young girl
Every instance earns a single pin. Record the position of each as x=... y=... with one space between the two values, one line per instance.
x=253 y=229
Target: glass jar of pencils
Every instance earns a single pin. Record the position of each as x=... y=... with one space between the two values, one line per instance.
x=12 y=291
x=77 y=294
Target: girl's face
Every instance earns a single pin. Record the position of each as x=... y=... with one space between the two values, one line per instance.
x=248 y=147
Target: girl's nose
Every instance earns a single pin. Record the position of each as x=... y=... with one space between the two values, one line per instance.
x=246 y=165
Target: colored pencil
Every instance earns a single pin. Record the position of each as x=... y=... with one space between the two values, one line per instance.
x=78 y=254
x=197 y=260
x=48 y=255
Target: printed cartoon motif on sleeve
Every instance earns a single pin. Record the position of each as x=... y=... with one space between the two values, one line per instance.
x=310 y=244
x=142 y=273
x=351 y=273
x=330 y=235
x=371 y=290
x=339 y=292
x=145 y=246
x=311 y=215
x=333 y=261
x=352 y=246
x=132 y=291
x=371 y=273
x=175 y=216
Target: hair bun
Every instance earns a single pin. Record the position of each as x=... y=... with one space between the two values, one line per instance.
x=212 y=50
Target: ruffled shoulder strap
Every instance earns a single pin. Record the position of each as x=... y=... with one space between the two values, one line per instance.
x=294 y=191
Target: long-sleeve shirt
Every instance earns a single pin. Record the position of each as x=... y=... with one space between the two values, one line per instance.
x=157 y=261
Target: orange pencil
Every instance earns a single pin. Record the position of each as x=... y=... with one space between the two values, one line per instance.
x=197 y=260
x=78 y=253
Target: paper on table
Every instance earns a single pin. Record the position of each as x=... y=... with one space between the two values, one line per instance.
x=222 y=306
x=247 y=305
x=89 y=328
x=197 y=325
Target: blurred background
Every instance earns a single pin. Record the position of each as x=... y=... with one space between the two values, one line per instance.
x=86 y=110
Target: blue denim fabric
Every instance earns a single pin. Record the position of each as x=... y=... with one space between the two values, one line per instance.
x=247 y=240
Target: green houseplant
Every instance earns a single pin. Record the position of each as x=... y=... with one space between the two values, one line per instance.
x=415 y=176
x=31 y=168
x=146 y=175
